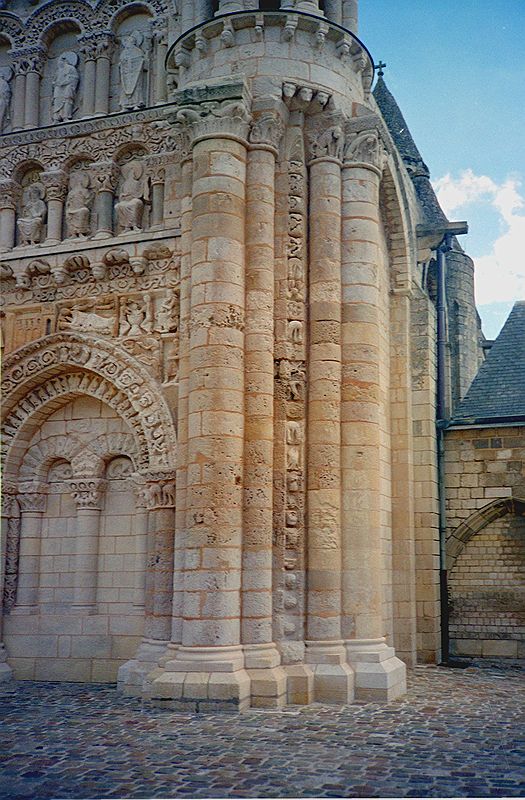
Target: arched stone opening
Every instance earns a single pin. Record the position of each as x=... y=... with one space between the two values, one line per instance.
x=76 y=459
x=486 y=557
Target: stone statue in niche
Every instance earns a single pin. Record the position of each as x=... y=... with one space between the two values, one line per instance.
x=133 y=196
x=78 y=205
x=65 y=85
x=136 y=318
x=31 y=220
x=132 y=66
x=6 y=74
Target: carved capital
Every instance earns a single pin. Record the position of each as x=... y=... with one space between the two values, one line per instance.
x=326 y=138
x=10 y=192
x=363 y=143
x=267 y=130
x=104 y=176
x=9 y=504
x=30 y=60
x=32 y=497
x=87 y=492
x=158 y=490
x=88 y=46
x=55 y=183
x=104 y=44
x=229 y=119
x=156 y=166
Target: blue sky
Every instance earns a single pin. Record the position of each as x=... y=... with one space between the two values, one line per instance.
x=457 y=70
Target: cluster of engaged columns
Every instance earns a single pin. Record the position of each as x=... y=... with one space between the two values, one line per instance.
x=221 y=651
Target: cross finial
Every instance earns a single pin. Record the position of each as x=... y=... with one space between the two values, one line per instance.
x=380 y=67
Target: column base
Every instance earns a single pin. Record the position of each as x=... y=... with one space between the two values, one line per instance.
x=6 y=673
x=132 y=675
x=299 y=684
x=201 y=679
x=267 y=677
x=333 y=677
x=380 y=676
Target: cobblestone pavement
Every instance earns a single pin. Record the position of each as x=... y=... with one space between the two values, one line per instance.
x=456 y=734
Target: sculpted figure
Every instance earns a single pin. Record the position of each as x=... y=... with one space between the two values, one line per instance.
x=78 y=205
x=132 y=65
x=5 y=94
x=132 y=198
x=136 y=318
x=168 y=315
x=31 y=220
x=65 y=87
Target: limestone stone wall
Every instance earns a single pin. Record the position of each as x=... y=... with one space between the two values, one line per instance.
x=47 y=639
x=219 y=382
x=485 y=490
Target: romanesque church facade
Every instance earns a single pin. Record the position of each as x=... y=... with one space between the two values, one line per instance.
x=218 y=263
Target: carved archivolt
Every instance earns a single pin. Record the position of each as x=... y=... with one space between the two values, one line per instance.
x=95 y=18
x=40 y=372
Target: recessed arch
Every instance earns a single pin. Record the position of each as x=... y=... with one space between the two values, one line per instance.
x=78 y=12
x=13 y=31
x=49 y=372
x=106 y=10
x=479 y=520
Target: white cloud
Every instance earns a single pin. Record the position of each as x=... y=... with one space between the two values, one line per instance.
x=500 y=273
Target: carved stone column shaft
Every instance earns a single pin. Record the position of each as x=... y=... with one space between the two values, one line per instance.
x=216 y=398
x=159 y=580
x=184 y=374
x=103 y=75
x=32 y=98
x=32 y=505
x=87 y=493
x=8 y=196
x=378 y=673
x=259 y=367
x=333 y=679
x=19 y=99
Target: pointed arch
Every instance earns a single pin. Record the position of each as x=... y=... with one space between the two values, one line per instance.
x=479 y=520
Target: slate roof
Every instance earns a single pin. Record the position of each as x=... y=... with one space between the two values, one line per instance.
x=497 y=393
x=408 y=151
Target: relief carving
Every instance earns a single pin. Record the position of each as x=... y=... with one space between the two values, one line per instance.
x=79 y=203
x=6 y=73
x=133 y=196
x=65 y=84
x=132 y=69
x=136 y=317
x=90 y=316
x=31 y=220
